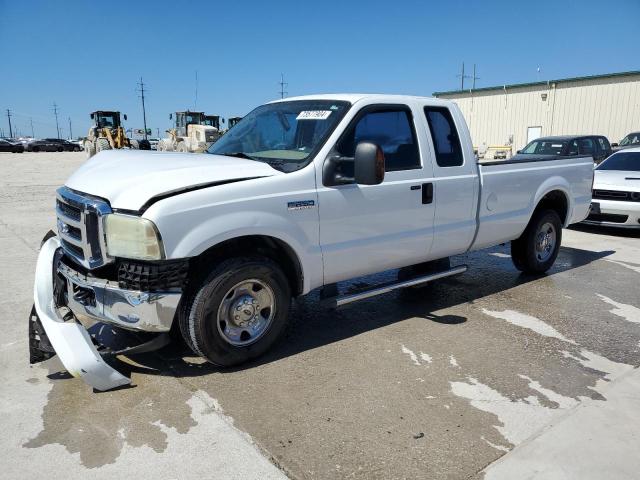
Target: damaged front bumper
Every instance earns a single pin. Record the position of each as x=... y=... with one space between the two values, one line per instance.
x=91 y=299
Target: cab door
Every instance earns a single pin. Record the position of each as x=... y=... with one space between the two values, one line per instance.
x=456 y=181
x=370 y=228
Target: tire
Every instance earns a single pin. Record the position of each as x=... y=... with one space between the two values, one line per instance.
x=35 y=149
x=537 y=248
x=89 y=148
x=76 y=149
x=181 y=147
x=102 y=144
x=205 y=317
x=59 y=149
x=134 y=144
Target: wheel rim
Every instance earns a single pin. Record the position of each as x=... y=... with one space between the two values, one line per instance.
x=545 y=242
x=246 y=312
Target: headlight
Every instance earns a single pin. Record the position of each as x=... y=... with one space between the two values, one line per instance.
x=132 y=237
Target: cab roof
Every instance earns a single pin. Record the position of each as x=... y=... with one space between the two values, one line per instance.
x=356 y=97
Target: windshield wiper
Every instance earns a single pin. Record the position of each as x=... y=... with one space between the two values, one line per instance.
x=237 y=155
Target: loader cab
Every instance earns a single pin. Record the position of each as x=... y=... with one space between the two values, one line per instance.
x=106 y=119
x=212 y=121
x=184 y=119
x=232 y=121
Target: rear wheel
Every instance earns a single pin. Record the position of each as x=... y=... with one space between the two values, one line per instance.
x=238 y=312
x=59 y=149
x=537 y=248
x=181 y=147
x=134 y=144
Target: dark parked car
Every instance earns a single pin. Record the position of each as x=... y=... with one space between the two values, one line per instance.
x=52 y=145
x=631 y=140
x=595 y=145
x=7 y=146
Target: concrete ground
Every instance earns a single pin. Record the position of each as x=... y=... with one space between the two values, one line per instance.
x=491 y=374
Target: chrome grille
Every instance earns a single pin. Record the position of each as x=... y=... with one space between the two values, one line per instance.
x=80 y=227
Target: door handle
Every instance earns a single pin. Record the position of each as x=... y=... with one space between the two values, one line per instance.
x=427 y=193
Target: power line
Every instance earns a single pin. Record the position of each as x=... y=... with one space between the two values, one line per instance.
x=55 y=112
x=144 y=113
x=9 y=118
x=282 y=84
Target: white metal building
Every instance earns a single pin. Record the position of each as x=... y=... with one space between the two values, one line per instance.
x=513 y=115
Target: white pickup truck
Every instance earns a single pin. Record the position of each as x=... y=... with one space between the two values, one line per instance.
x=301 y=194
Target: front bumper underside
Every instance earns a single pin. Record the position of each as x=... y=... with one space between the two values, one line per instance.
x=89 y=299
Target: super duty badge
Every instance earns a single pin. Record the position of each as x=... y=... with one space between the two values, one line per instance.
x=301 y=205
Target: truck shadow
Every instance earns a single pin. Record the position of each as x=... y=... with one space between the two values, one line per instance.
x=609 y=231
x=313 y=326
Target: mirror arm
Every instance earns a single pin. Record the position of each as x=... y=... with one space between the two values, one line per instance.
x=329 y=176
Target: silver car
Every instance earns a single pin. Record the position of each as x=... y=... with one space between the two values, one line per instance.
x=616 y=191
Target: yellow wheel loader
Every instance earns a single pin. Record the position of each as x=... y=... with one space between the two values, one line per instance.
x=107 y=133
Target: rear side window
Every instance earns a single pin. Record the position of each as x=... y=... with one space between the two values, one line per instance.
x=445 y=137
x=392 y=130
x=604 y=144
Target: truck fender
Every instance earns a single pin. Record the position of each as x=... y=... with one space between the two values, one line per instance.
x=219 y=229
x=555 y=183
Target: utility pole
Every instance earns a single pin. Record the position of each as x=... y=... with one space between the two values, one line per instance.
x=158 y=132
x=283 y=85
x=31 y=122
x=195 y=105
x=474 y=78
x=70 y=131
x=144 y=113
x=9 y=118
x=55 y=112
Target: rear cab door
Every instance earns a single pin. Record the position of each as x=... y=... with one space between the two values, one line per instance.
x=456 y=178
x=371 y=228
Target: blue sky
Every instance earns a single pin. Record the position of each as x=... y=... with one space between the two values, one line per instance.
x=88 y=55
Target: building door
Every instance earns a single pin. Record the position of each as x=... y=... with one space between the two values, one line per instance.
x=533 y=133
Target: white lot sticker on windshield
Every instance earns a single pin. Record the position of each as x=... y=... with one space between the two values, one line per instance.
x=556 y=145
x=313 y=115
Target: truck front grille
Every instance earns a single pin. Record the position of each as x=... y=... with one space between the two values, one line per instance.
x=80 y=227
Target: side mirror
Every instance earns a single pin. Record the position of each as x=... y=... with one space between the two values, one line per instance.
x=125 y=116
x=368 y=168
x=518 y=151
x=171 y=116
x=93 y=116
x=614 y=144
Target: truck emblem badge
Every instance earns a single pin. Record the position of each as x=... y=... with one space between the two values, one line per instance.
x=301 y=205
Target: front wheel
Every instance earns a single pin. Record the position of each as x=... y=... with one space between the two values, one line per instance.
x=238 y=312
x=537 y=248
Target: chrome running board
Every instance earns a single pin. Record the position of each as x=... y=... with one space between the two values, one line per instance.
x=389 y=287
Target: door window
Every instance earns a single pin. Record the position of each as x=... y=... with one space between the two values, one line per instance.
x=445 y=137
x=392 y=130
x=586 y=146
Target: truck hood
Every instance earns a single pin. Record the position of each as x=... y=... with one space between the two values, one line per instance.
x=129 y=178
x=624 y=180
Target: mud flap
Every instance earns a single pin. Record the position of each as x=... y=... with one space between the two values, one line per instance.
x=70 y=340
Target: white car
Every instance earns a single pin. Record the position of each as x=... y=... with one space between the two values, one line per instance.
x=616 y=191
x=301 y=194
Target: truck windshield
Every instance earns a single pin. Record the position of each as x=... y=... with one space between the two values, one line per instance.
x=285 y=135
x=545 y=147
x=108 y=120
x=631 y=139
